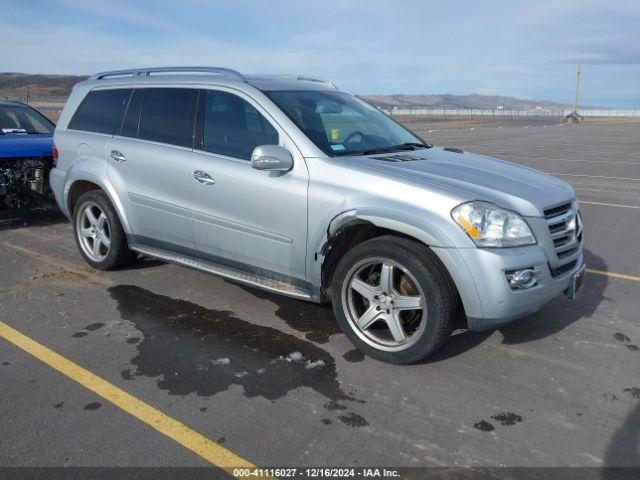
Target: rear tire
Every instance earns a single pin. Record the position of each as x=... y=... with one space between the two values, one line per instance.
x=99 y=234
x=394 y=299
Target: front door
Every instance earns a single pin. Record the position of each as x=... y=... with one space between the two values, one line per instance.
x=246 y=218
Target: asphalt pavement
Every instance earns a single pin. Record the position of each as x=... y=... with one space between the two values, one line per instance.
x=559 y=388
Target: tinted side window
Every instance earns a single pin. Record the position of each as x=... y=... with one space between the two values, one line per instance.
x=132 y=116
x=168 y=115
x=233 y=127
x=101 y=111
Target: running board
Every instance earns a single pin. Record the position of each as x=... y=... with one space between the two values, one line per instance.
x=225 y=272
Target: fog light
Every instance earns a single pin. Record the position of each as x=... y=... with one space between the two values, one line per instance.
x=521 y=279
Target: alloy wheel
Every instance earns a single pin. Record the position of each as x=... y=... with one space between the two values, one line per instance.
x=92 y=229
x=384 y=304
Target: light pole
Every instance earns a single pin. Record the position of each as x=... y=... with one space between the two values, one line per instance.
x=575 y=98
x=574 y=116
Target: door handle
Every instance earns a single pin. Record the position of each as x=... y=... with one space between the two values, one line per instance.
x=203 y=177
x=118 y=156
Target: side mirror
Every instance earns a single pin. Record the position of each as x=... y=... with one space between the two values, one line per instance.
x=271 y=157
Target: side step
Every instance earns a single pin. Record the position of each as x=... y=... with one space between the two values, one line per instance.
x=225 y=272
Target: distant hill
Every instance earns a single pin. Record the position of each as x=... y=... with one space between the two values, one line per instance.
x=56 y=88
x=474 y=100
x=52 y=88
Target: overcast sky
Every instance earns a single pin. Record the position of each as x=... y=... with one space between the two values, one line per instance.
x=526 y=49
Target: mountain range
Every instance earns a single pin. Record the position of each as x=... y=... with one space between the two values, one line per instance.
x=56 y=88
x=474 y=100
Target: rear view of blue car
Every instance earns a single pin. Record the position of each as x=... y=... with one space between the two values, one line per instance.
x=26 y=155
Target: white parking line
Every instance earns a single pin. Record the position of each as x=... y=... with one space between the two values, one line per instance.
x=609 y=204
x=546 y=159
x=592 y=176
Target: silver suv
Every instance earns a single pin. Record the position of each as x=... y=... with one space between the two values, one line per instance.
x=287 y=184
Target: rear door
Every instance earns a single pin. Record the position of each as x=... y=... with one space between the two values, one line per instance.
x=87 y=137
x=249 y=219
x=148 y=164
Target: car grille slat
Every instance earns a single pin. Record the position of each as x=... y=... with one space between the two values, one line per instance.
x=556 y=272
x=566 y=253
x=557 y=227
x=556 y=211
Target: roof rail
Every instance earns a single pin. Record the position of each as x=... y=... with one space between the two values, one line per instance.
x=315 y=79
x=140 y=72
x=288 y=76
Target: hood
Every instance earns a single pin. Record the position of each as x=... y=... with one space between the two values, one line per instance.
x=22 y=145
x=476 y=177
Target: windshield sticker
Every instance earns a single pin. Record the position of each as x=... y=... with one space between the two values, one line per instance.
x=337 y=147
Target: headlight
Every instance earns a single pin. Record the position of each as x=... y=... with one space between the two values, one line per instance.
x=491 y=226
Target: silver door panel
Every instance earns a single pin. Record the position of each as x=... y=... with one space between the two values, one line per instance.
x=251 y=216
x=153 y=180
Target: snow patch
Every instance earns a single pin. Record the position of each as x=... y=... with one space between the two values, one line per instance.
x=220 y=361
x=317 y=364
x=295 y=357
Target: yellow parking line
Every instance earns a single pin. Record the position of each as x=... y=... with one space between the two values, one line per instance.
x=609 y=204
x=185 y=436
x=593 y=176
x=620 y=276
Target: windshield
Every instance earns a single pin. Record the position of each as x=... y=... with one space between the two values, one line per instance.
x=23 y=119
x=342 y=124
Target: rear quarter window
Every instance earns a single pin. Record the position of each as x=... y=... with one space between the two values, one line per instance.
x=101 y=111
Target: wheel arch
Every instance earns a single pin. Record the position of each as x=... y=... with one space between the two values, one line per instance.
x=353 y=227
x=81 y=184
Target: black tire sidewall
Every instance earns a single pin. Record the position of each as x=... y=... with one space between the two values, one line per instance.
x=427 y=270
x=119 y=253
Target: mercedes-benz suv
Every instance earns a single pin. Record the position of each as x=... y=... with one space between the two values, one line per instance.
x=288 y=184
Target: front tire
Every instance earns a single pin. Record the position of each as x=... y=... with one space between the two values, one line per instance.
x=99 y=234
x=394 y=299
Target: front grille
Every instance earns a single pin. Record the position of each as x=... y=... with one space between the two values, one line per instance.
x=565 y=228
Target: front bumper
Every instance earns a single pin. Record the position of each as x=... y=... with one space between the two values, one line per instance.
x=489 y=301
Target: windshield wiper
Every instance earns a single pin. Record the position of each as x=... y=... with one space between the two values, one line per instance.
x=397 y=148
x=418 y=144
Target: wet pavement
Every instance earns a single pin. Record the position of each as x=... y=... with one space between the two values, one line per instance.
x=273 y=380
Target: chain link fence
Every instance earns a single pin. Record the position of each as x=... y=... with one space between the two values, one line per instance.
x=441 y=118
